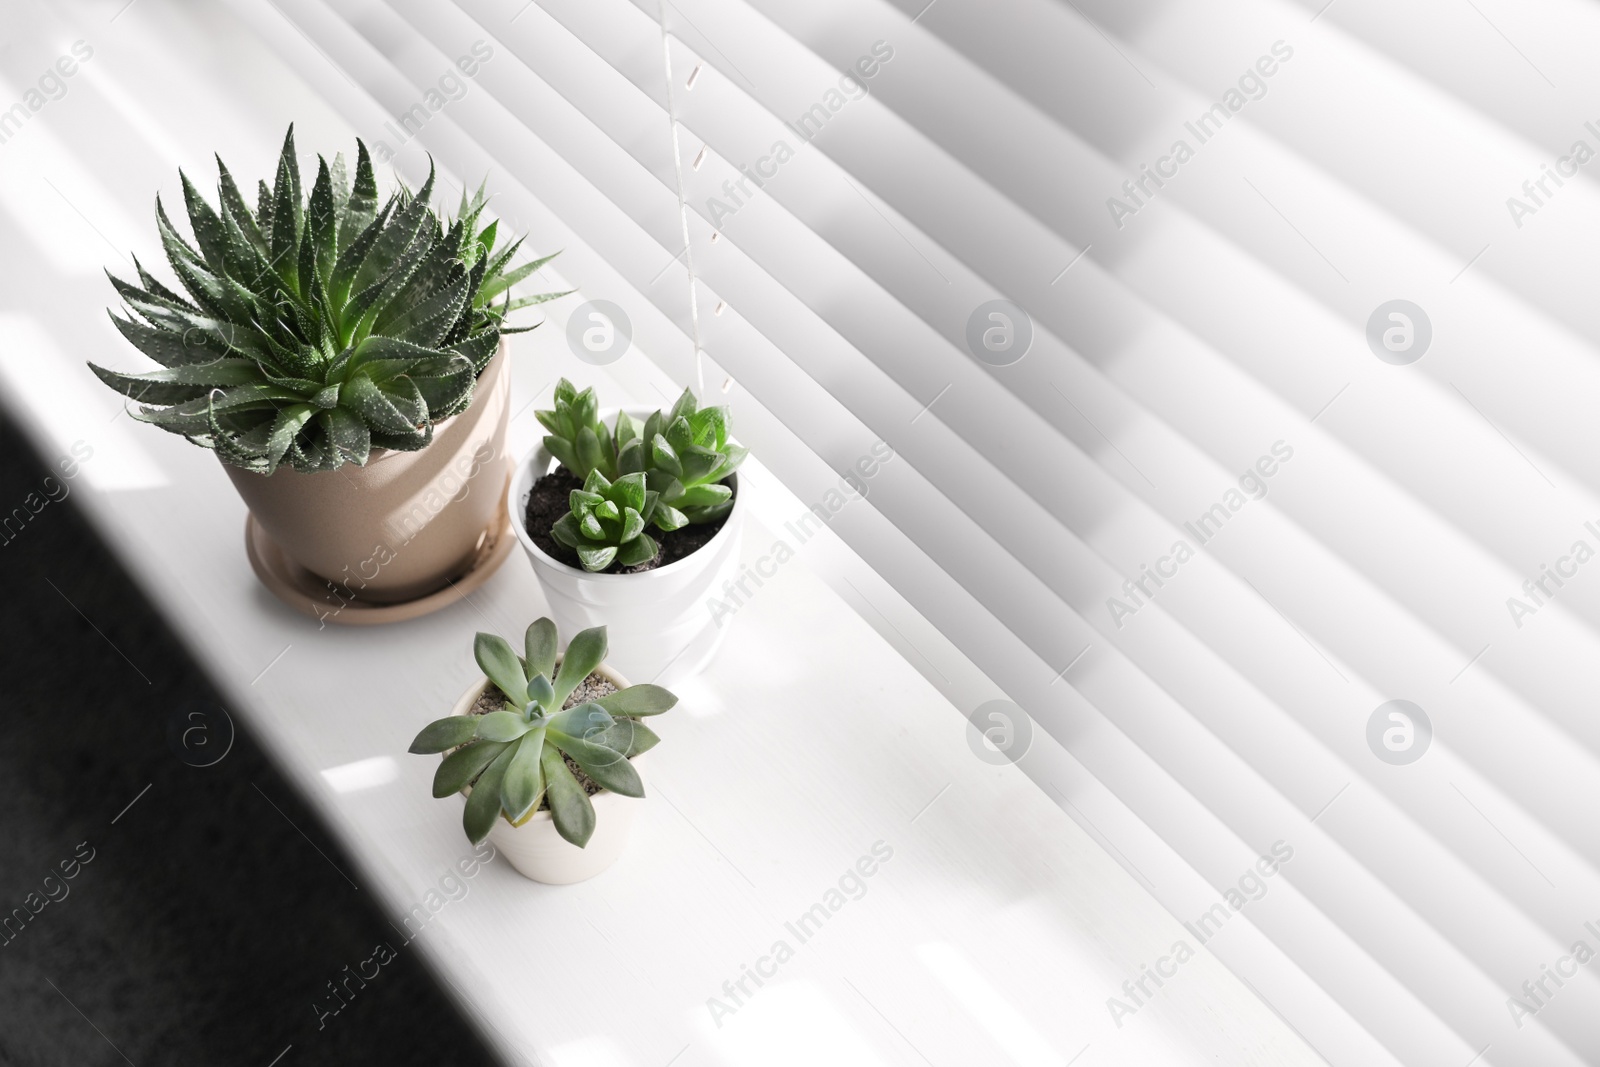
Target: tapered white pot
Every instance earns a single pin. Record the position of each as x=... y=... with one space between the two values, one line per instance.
x=534 y=847
x=660 y=623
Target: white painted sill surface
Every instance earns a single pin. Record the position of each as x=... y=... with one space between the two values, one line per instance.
x=997 y=930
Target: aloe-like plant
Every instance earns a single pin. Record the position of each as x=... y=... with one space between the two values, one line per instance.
x=512 y=758
x=606 y=522
x=318 y=326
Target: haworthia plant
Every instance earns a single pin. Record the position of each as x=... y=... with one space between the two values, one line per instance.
x=578 y=438
x=686 y=456
x=512 y=758
x=318 y=326
x=606 y=520
x=683 y=455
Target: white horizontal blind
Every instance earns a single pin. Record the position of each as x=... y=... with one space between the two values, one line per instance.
x=1184 y=332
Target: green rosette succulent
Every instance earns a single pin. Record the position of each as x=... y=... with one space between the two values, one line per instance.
x=578 y=438
x=515 y=757
x=317 y=326
x=686 y=456
x=606 y=522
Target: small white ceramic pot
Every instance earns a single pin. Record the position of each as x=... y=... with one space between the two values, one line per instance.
x=534 y=847
x=659 y=623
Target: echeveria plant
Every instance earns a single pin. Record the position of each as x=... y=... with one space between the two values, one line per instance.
x=683 y=457
x=513 y=758
x=317 y=326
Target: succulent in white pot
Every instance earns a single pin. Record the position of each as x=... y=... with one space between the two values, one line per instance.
x=633 y=519
x=545 y=749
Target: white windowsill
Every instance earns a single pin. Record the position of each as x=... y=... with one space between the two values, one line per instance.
x=997 y=923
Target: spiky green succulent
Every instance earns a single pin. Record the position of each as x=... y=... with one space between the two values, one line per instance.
x=318 y=326
x=606 y=520
x=512 y=758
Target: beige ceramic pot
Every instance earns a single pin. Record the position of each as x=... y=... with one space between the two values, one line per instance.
x=534 y=847
x=404 y=524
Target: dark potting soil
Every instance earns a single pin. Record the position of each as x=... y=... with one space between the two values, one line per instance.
x=550 y=499
x=591 y=688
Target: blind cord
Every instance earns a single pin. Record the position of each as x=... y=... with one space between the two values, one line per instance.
x=683 y=204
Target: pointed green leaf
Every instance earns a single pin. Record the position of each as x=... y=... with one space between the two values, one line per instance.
x=497 y=284
x=264 y=211
x=523 y=784
x=627 y=430
x=457 y=770
x=627 y=737
x=541 y=695
x=701 y=496
x=502 y=726
x=352 y=254
x=590 y=456
x=284 y=429
x=608 y=768
x=539 y=645
x=664 y=456
x=564 y=453
x=629 y=491
x=641 y=549
x=643 y=699
x=581 y=720
x=595 y=560
x=164 y=346
x=171 y=385
x=362 y=207
x=501 y=666
x=668 y=518
x=584 y=654
x=483 y=806
x=632 y=526
x=565 y=531
x=233 y=203
x=386 y=410
x=207 y=226
x=322 y=219
x=732 y=457
x=683 y=408
x=569 y=805
x=341 y=184
x=348 y=434
x=529 y=301
x=446 y=733
x=286 y=215
x=631 y=457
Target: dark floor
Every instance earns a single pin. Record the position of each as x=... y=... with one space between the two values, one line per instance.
x=199 y=926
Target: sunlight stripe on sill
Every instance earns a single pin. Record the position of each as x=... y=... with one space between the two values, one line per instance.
x=362 y=774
